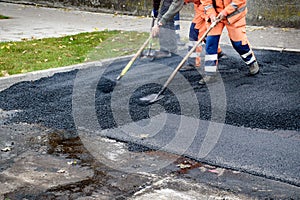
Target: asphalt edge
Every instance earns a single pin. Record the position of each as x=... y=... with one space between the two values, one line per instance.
x=6 y=82
x=281 y=50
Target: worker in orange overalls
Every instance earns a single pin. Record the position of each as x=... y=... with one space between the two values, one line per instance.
x=232 y=14
x=197 y=29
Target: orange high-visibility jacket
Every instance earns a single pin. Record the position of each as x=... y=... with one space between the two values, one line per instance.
x=234 y=9
x=199 y=11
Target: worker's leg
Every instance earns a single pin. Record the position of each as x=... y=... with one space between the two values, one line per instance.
x=211 y=56
x=177 y=25
x=177 y=29
x=167 y=36
x=196 y=32
x=212 y=44
x=237 y=34
x=194 y=59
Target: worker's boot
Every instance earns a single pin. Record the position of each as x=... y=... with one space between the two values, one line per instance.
x=208 y=79
x=221 y=54
x=162 y=54
x=254 y=68
x=187 y=67
x=179 y=42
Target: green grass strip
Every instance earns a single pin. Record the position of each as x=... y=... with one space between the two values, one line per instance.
x=3 y=17
x=38 y=54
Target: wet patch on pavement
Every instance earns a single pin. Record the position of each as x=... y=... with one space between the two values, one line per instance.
x=47 y=164
x=52 y=164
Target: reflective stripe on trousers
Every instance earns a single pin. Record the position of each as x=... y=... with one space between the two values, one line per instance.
x=245 y=52
x=177 y=25
x=194 y=59
x=237 y=35
x=211 y=57
x=238 y=38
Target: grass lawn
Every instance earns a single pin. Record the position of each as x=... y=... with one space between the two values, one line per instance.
x=38 y=54
x=3 y=17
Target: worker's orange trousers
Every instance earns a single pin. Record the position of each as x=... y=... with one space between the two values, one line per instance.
x=196 y=32
x=239 y=41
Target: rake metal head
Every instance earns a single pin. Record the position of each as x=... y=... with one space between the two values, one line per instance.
x=152 y=98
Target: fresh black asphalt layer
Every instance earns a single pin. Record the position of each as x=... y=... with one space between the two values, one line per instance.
x=266 y=102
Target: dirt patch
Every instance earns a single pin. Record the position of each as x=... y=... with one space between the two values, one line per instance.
x=3 y=17
x=48 y=164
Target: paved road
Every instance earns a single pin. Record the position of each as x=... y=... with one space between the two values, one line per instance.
x=256 y=119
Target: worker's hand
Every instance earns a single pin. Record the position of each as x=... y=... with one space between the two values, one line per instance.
x=212 y=18
x=155 y=30
x=222 y=15
x=188 y=1
x=154 y=13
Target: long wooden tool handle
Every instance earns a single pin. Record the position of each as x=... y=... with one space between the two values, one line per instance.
x=138 y=53
x=187 y=56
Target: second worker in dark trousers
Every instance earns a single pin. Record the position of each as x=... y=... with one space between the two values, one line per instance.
x=165 y=29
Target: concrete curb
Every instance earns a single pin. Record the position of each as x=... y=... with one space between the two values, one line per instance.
x=6 y=82
x=281 y=50
x=277 y=49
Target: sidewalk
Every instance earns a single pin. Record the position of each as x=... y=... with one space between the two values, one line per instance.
x=39 y=22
